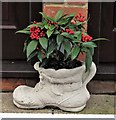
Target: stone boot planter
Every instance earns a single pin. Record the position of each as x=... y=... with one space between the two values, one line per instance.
x=64 y=88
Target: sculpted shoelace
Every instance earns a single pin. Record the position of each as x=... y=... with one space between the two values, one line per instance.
x=39 y=86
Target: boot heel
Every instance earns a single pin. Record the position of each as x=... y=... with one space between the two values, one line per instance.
x=73 y=109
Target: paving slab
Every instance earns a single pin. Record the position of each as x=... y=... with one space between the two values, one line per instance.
x=97 y=104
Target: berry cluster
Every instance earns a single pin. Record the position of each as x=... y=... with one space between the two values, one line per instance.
x=86 y=38
x=69 y=31
x=80 y=17
x=36 y=33
x=53 y=23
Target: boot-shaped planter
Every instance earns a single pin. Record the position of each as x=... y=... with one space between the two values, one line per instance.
x=64 y=88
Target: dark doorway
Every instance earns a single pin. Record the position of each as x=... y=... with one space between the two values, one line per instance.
x=103 y=24
x=15 y=16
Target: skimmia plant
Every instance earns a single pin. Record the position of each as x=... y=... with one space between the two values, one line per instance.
x=64 y=34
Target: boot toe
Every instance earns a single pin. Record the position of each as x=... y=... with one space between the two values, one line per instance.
x=25 y=96
x=21 y=94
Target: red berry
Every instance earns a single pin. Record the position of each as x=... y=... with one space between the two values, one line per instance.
x=80 y=17
x=37 y=48
x=73 y=22
x=34 y=22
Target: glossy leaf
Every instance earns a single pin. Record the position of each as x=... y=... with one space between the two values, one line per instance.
x=31 y=47
x=39 y=56
x=91 y=51
x=67 y=45
x=52 y=27
x=58 y=15
x=59 y=39
x=97 y=39
x=44 y=42
x=89 y=44
x=56 y=32
x=75 y=51
x=71 y=15
x=63 y=22
x=46 y=17
x=46 y=26
x=43 y=14
x=65 y=34
x=33 y=54
x=23 y=31
x=49 y=33
x=78 y=36
x=88 y=60
x=51 y=48
x=50 y=19
x=32 y=25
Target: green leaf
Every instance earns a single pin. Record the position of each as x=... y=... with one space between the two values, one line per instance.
x=46 y=17
x=52 y=27
x=34 y=25
x=25 y=47
x=58 y=15
x=51 y=48
x=67 y=45
x=78 y=35
x=31 y=47
x=39 y=56
x=50 y=19
x=25 y=44
x=63 y=22
x=43 y=14
x=46 y=26
x=91 y=51
x=44 y=42
x=71 y=15
x=40 y=25
x=23 y=31
x=88 y=60
x=83 y=49
x=49 y=33
x=59 y=39
x=89 y=44
x=56 y=32
x=75 y=51
x=99 y=39
x=65 y=34
x=33 y=54
x=26 y=29
x=63 y=16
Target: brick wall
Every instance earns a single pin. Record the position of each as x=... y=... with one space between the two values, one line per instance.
x=69 y=7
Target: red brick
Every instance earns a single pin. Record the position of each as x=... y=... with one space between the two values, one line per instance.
x=52 y=10
x=76 y=2
x=95 y=86
x=81 y=57
x=10 y=84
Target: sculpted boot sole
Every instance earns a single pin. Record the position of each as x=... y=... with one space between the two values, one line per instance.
x=40 y=107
